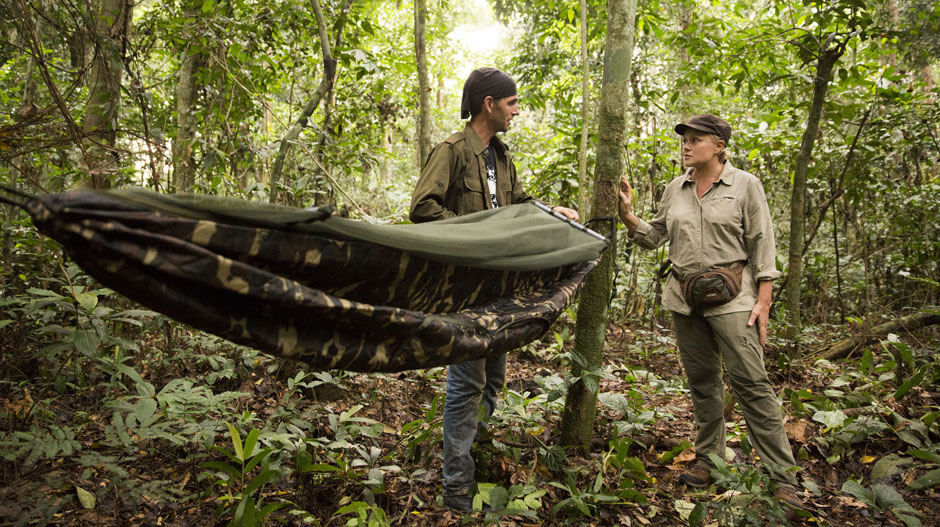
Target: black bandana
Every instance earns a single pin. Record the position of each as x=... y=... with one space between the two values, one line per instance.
x=483 y=83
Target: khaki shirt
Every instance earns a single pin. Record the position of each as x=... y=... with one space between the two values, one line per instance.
x=453 y=181
x=730 y=223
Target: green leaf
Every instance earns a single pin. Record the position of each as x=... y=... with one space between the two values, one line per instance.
x=320 y=467
x=259 y=481
x=250 y=442
x=86 y=341
x=130 y=372
x=853 y=488
x=534 y=500
x=245 y=512
x=86 y=498
x=144 y=411
x=231 y=471
x=888 y=497
x=927 y=480
x=207 y=5
x=43 y=292
x=236 y=442
x=911 y=383
x=888 y=466
x=697 y=517
x=684 y=509
x=926 y=455
x=591 y=383
x=667 y=457
x=88 y=301
x=259 y=457
x=269 y=508
x=499 y=497
x=831 y=419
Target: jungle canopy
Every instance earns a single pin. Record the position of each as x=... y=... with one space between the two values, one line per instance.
x=329 y=291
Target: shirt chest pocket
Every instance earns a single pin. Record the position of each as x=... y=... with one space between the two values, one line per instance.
x=723 y=212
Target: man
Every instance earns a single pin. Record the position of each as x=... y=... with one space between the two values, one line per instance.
x=469 y=172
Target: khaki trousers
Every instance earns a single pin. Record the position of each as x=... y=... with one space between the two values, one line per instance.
x=703 y=343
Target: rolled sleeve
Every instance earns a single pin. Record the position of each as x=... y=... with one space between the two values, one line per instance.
x=654 y=234
x=645 y=236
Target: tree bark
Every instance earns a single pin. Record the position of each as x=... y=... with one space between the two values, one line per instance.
x=184 y=166
x=112 y=27
x=577 y=422
x=824 y=65
x=424 y=88
x=846 y=346
x=329 y=71
x=583 y=184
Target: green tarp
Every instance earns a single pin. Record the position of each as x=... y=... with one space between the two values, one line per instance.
x=333 y=292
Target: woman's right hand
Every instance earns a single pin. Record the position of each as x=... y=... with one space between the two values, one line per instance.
x=626 y=199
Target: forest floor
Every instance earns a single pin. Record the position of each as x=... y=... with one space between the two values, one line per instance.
x=381 y=436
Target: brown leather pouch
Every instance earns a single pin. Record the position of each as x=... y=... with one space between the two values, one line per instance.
x=713 y=287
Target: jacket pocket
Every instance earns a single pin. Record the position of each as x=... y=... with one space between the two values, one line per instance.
x=474 y=197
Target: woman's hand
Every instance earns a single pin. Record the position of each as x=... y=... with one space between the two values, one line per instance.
x=626 y=199
x=760 y=313
x=761 y=310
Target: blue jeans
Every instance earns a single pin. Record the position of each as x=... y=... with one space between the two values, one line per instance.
x=469 y=384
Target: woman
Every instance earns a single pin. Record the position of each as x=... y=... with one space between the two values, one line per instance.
x=715 y=217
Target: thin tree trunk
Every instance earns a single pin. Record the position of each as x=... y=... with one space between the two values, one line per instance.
x=827 y=60
x=424 y=88
x=23 y=165
x=583 y=184
x=577 y=421
x=329 y=70
x=112 y=26
x=184 y=166
x=834 y=193
x=835 y=245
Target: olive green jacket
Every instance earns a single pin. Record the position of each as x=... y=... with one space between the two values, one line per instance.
x=453 y=181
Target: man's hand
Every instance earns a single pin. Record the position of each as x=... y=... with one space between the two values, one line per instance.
x=571 y=214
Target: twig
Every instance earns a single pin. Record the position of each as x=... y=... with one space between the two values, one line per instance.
x=32 y=39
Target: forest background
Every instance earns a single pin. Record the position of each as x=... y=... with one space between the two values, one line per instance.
x=111 y=414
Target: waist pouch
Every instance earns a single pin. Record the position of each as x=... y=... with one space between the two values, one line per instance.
x=713 y=287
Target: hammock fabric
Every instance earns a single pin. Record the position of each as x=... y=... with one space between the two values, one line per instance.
x=329 y=291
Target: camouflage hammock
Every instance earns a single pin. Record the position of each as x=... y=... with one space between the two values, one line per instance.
x=329 y=291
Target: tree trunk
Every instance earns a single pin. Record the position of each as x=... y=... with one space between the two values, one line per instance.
x=824 y=65
x=329 y=69
x=23 y=165
x=112 y=26
x=184 y=166
x=424 y=88
x=583 y=184
x=910 y=323
x=577 y=422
